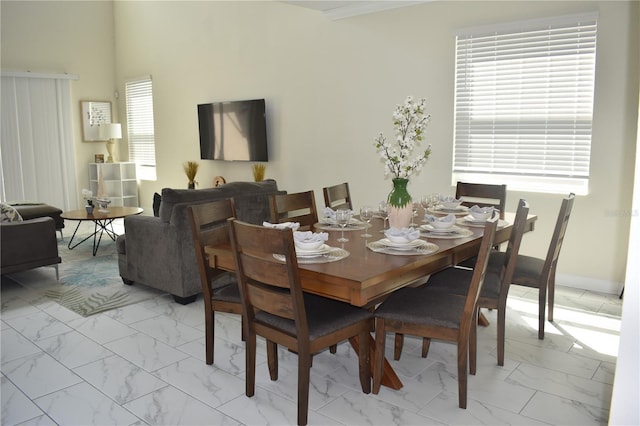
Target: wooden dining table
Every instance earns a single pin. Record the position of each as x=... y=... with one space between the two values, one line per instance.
x=365 y=278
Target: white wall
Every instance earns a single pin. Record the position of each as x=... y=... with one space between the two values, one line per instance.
x=64 y=37
x=330 y=88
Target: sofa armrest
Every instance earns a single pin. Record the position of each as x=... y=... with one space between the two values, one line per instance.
x=154 y=256
x=32 y=241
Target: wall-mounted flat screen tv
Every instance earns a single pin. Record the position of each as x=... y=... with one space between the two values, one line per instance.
x=233 y=131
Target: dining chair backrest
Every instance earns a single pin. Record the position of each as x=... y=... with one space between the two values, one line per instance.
x=558 y=235
x=296 y=207
x=479 y=271
x=513 y=247
x=209 y=227
x=267 y=284
x=483 y=195
x=338 y=196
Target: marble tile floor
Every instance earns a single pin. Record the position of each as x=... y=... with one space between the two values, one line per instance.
x=144 y=364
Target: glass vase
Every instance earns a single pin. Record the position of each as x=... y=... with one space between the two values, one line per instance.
x=400 y=204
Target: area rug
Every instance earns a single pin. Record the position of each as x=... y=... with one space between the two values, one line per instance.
x=88 y=284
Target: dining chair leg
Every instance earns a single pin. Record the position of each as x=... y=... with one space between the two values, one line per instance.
x=463 y=350
x=552 y=292
x=364 y=361
x=209 y=335
x=501 y=331
x=426 y=343
x=542 y=304
x=272 y=359
x=473 y=343
x=378 y=359
x=250 y=367
x=304 y=368
x=398 y=343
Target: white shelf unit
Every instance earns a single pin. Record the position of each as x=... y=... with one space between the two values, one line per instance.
x=119 y=182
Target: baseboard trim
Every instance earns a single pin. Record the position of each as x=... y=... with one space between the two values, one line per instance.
x=588 y=283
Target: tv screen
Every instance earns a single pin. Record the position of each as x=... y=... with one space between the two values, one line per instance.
x=233 y=131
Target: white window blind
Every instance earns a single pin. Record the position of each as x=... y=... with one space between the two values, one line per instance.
x=140 y=128
x=524 y=103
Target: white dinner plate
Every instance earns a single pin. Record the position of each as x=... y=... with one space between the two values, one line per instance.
x=432 y=230
x=402 y=246
x=459 y=211
x=322 y=250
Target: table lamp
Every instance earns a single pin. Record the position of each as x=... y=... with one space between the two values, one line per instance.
x=109 y=132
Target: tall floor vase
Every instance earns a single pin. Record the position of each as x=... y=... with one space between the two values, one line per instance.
x=399 y=204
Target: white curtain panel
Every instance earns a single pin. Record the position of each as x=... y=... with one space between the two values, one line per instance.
x=36 y=150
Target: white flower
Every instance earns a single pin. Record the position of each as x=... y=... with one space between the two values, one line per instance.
x=409 y=121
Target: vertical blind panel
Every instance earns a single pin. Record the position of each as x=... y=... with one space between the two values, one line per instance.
x=140 y=128
x=524 y=100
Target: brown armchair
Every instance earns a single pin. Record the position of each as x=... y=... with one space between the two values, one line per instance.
x=29 y=244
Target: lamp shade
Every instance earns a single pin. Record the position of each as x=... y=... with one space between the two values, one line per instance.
x=110 y=131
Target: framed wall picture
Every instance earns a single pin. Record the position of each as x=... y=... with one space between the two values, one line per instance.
x=94 y=113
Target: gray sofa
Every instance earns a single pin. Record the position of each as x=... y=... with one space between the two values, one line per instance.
x=28 y=244
x=158 y=251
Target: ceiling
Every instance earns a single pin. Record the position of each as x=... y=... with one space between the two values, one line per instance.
x=345 y=9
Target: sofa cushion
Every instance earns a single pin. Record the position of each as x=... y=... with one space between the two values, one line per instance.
x=9 y=213
x=172 y=197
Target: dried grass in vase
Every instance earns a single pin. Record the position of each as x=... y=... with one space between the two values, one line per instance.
x=258 y=172
x=191 y=169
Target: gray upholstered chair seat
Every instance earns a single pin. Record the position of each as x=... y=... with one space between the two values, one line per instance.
x=527 y=272
x=227 y=293
x=456 y=281
x=324 y=316
x=423 y=306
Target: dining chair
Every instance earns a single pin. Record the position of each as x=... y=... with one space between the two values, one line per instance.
x=535 y=272
x=496 y=283
x=219 y=288
x=338 y=196
x=423 y=312
x=296 y=207
x=483 y=195
x=276 y=308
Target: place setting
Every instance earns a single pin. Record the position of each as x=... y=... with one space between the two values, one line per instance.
x=403 y=242
x=329 y=222
x=310 y=246
x=448 y=205
x=478 y=216
x=443 y=228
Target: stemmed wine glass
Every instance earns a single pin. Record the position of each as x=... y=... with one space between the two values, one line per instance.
x=366 y=214
x=414 y=213
x=425 y=202
x=382 y=211
x=342 y=219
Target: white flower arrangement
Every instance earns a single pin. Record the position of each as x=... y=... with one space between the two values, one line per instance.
x=409 y=121
x=87 y=194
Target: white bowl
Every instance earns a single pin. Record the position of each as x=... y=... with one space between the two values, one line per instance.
x=309 y=245
x=450 y=203
x=442 y=225
x=481 y=215
x=397 y=239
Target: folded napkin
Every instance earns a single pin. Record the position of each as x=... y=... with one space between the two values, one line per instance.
x=283 y=225
x=450 y=199
x=478 y=209
x=409 y=234
x=308 y=236
x=446 y=219
x=329 y=213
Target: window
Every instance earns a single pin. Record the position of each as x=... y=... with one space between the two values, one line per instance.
x=524 y=103
x=141 y=134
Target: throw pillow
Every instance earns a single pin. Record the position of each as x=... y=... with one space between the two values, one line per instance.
x=9 y=213
x=157 y=198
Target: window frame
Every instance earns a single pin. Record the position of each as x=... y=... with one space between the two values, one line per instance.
x=141 y=126
x=519 y=140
